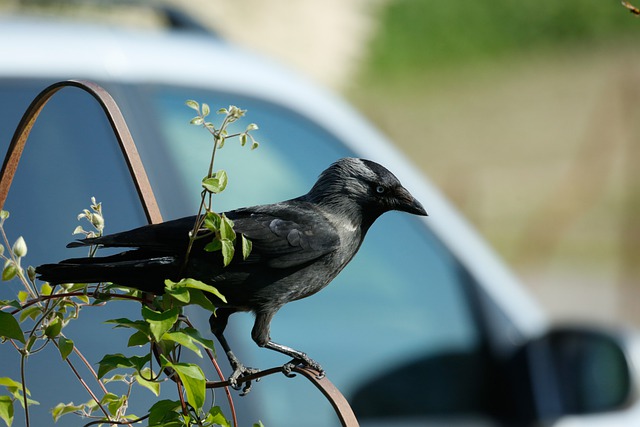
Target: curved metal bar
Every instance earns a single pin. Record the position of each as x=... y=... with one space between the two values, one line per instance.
x=333 y=395
x=321 y=382
x=118 y=124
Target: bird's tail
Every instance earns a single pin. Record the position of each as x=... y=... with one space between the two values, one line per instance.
x=122 y=269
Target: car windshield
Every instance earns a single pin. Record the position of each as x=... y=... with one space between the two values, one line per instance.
x=395 y=331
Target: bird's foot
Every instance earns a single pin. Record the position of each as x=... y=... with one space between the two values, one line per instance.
x=304 y=360
x=239 y=372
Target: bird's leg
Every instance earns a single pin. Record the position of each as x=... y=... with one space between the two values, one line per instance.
x=298 y=357
x=260 y=334
x=218 y=322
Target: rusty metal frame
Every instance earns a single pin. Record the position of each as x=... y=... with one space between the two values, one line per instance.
x=118 y=124
x=149 y=204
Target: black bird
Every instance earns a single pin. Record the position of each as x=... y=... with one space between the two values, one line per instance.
x=299 y=246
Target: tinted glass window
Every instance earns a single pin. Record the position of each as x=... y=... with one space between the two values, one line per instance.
x=400 y=302
x=394 y=331
x=70 y=156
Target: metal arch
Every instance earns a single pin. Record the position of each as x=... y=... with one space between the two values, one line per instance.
x=120 y=129
x=149 y=204
x=320 y=381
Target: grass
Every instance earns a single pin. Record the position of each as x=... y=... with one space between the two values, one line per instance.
x=419 y=35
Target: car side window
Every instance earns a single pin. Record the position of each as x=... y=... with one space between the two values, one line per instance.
x=71 y=155
x=395 y=330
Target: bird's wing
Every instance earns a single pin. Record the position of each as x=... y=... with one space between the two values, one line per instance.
x=285 y=235
x=170 y=236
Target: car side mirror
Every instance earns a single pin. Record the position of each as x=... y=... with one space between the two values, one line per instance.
x=579 y=371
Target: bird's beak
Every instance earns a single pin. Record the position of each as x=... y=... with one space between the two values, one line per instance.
x=407 y=203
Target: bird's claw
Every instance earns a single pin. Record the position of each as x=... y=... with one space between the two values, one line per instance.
x=306 y=361
x=288 y=367
x=240 y=371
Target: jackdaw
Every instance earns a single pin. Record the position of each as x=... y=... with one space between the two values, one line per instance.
x=299 y=246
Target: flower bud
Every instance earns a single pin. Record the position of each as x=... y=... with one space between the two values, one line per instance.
x=19 y=247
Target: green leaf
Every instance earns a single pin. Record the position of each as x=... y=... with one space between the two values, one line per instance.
x=138 y=338
x=53 y=329
x=217 y=417
x=62 y=409
x=123 y=322
x=251 y=126
x=197 y=284
x=33 y=312
x=198 y=298
x=71 y=287
x=258 y=424
x=12 y=385
x=6 y=409
x=226 y=229
x=113 y=361
x=113 y=402
x=12 y=303
x=45 y=289
x=118 y=377
x=193 y=380
x=163 y=412
x=212 y=221
x=10 y=271
x=217 y=183
x=10 y=328
x=180 y=294
x=214 y=245
x=228 y=250
x=160 y=322
x=197 y=121
x=254 y=144
x=65 y=346
x=22 y=296
x=182 y=339
x=195 y=335
x=141 y=378
x=246 y=247
x=192 y=104
x=188 y=338
x=205 y=110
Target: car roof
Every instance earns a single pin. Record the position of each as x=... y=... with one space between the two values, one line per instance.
x=57 y=50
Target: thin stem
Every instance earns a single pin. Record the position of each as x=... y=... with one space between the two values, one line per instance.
x=226 y=388
x=85 y=385
x=24 y=389
x=32 y=291
x=200 y=217
x=90 y=368
x=41 y=298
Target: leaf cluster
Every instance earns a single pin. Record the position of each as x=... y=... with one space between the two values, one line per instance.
x=40 y=313
x=208 y=222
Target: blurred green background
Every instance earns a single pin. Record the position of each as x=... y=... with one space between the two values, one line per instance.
x=525 y=113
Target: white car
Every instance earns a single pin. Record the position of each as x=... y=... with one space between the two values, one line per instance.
x=426 y=326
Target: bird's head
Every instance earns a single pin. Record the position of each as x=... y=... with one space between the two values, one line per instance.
x=352 y=183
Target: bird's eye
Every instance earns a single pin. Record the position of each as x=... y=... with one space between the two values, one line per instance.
x=379 y=189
